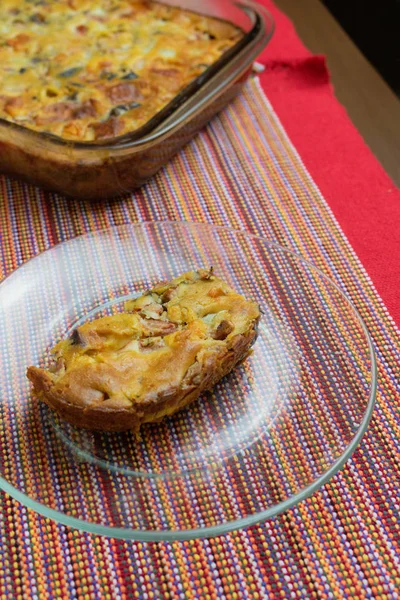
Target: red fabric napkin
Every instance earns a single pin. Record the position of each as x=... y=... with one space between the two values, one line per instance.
x=363 y=198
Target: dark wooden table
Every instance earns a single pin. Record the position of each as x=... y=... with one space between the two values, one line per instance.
x=370 y=103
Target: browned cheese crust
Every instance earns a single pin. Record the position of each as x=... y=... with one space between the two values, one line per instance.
x=135 y=367
x=85 y=70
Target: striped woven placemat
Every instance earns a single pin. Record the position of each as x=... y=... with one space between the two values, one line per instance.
x=343 y=541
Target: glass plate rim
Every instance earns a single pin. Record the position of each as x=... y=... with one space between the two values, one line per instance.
x=249 y=520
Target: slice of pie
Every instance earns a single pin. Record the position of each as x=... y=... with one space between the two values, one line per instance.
x=153 y=359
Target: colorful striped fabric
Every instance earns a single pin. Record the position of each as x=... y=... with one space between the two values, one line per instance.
x=343 y=541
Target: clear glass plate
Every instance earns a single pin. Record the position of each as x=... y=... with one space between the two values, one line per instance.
x=266 y=437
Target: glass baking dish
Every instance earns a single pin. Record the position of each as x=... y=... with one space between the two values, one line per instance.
x=107 y=168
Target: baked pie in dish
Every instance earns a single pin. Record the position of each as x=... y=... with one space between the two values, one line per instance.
x=84 y=70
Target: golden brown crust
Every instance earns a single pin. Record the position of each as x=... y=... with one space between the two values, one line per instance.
x=85 y=70
x=177 y=341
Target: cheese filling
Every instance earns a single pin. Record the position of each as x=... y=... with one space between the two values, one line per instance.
x=84 y=72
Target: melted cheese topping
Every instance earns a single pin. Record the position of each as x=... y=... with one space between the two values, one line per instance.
x=85 y=70
x=150 y=349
